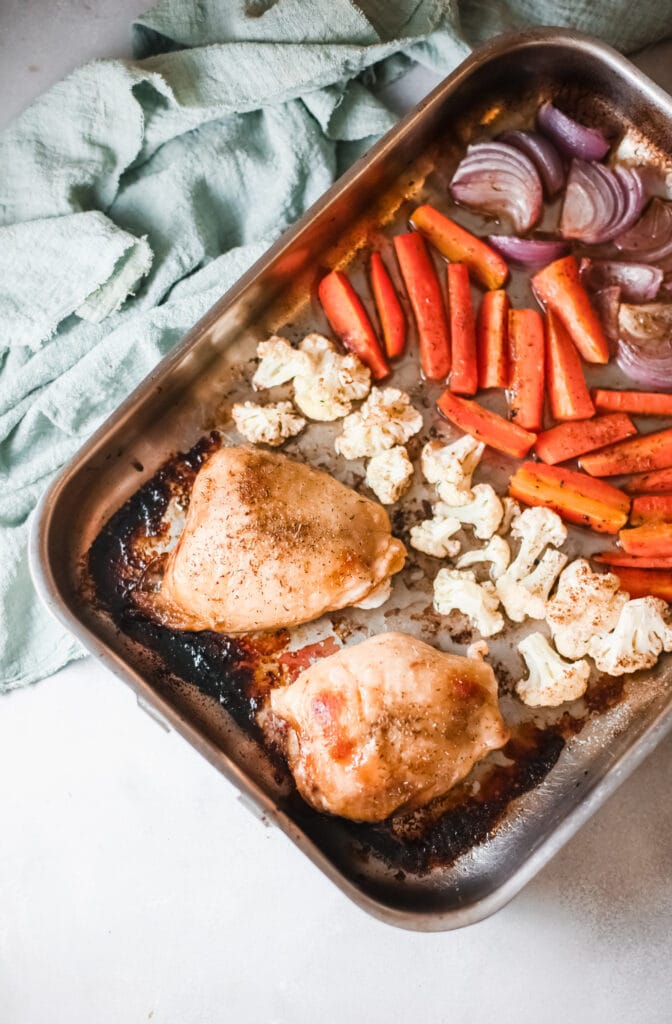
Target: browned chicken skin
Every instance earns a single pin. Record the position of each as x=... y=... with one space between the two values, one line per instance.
x=386 y=724
x=270 y=542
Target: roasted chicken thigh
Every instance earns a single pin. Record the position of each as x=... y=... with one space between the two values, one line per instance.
x=387 y=724
x=269 y=542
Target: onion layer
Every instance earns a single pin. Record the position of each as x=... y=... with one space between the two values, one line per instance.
x=645 y=344
x=569 y=136
x=528 y=252
x=599 y=203
x=638 y=282
x=606 y=301
x=650 y=239
x=543 y=155
x=499 y=179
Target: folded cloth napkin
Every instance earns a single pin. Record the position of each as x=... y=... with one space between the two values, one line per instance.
x=133 y=193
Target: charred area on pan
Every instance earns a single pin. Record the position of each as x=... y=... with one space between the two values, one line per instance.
x=238 y=674
x=221 y=667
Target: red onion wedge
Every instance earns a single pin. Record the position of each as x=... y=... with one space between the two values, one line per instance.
x=650 y=239
x=638 y=282
x=543 y=155
x=600 y=203
x=606 y=301
x=645 y=344
x=499 y=179
x=528 y=252
x=569 y=136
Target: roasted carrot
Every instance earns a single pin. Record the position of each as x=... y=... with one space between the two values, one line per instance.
x=350 y=321
x=486 y=426
x=650 y=451
x=651 y=508
x=639 y=403
x=652 y=540
x=390 y=313
x=559 y=287
x=575 y=437
x=567 y=391
x=424 y=292
x=574 y=496
x=633 y=561
x=526 y=353
x=658 y=482
x=645 y=582
x=460 y=246
x=464 y=373
x=492 y=340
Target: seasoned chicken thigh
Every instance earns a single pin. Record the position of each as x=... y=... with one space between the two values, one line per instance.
x=269 y=542
x=387 y=724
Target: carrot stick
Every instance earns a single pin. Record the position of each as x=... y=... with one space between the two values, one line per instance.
x=390 y=313
x=652 y=540
x=645 y=582
x=572 y=495
x=633 y=561
x=350 y=321
x=567 y=390
x=424 y=292
x=650 y=451
x=639 y=403
x=651 y=508
x=486 y=426
x=558 y=286
x=575 y=437
x=526 y=352
x=460 y=246
x=658 y=482
x=464 y=375
x=491 y=340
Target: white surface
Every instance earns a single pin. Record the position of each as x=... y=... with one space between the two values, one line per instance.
x=135 y=887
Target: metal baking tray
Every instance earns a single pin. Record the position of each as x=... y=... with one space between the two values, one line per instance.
x=515 y=811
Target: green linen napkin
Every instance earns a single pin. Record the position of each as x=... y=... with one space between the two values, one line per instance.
x=133 y=193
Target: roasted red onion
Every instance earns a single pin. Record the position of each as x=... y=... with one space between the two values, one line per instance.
x=599 y=203
x=543 y=155
x=606 y=301
x=499 y=179
x=528 y=252
x=645 y=344
x=571 y=138
x=650 y=239
x=638 y=282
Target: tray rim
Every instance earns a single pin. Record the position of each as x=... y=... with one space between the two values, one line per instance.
x=46 y=585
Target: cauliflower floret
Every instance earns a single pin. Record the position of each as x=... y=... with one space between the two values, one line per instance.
x=432 y=536
x=280 y=363
x=332 y=382
x=641 y=634
x=386 y=419
x=522 y=589
x=389 y=473
x=479 y=649
x=511 y=512
x=528 y=598
x=267 y=424
x=586 y=604
x=496 y=551
x=484 y=512
x=551 y=680
x=326 y=383
x=459 y=590
x=451 y=467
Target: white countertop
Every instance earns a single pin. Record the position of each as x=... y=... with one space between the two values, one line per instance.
x=134 y=886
